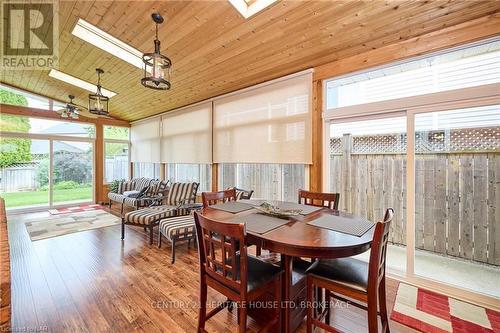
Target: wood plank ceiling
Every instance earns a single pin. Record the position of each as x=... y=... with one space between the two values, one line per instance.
x=214 y=50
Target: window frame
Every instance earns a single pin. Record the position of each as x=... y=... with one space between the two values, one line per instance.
x=485 y=95
x=122 y=141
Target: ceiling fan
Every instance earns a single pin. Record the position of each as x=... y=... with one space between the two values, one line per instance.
x=72 y=111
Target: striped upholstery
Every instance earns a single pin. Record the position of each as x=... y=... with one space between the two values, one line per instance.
x=116 y=197
x=125 y=186
x=242 y=194
x=175 y=226
x=150 y=215
x=141 y=183
x=180 y=193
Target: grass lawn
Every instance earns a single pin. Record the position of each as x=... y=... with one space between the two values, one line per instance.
x=17 y=199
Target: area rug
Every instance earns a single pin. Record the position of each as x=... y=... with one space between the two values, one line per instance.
x=58 y=225
x=75 y=209
x=430 y=312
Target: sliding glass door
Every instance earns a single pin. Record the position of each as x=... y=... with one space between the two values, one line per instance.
x=368 y=168
x=72 y=172
x=24 y=172
x=457 y=197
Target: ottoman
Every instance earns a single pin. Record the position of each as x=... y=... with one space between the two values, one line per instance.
x=179 y=228
x=147 y=218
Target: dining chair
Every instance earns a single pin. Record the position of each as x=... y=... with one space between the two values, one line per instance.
x=356 y=279
x=227 y=268
x=330 y=200
x=213 y=198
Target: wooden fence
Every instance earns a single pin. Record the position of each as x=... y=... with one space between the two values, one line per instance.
x=19 y=178
x=457 y=198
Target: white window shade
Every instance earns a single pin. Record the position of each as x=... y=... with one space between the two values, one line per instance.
x=187 y=135
x=145 y=141
x=268 y=124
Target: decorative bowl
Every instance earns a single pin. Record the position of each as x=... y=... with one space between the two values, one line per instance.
x=270 y=209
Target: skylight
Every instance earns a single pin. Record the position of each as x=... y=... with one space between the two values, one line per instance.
x=101 y=39
x=79 y=83
x=248 y=8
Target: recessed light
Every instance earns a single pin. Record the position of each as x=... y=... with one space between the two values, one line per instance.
x=248 y=8
x=79 y=83
x=101 y=39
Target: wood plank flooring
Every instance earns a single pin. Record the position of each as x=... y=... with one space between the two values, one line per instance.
x=91 y=281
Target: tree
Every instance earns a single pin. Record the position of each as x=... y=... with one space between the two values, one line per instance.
x=68 y=166
x=13 y=150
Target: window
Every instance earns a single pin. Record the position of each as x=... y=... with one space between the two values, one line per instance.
x=269 y=181
x=147 y=170
x=34 y=151
x=183 y=173
x=424 y=138
x=467 y=67
x=116 y=153
x=13 y=96
x=11 y=123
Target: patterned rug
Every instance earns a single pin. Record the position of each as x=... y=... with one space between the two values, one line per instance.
x=75 y=209
x=427 y=311
x=59 y=225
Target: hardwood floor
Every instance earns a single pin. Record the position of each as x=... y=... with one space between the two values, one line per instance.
x=91 y=281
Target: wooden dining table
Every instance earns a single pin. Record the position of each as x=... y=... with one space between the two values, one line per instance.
x=297 y=239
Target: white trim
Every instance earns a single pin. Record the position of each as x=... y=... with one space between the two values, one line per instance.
x=410 y=199
x=487 y=94
x=41 y=208
x=36 y=136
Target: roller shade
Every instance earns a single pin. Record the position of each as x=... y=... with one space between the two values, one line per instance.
x=187 y=135
x=268 y=124
x=145 y=141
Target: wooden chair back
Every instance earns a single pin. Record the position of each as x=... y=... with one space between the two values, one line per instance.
x=318 y=199
x=213 y=198
x=218 y=251
x=376 y=269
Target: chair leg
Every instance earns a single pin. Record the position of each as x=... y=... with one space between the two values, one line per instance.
x=173 y=250
x=310 y=301
x=123 y=228
x=109 y=204
x=202 y=313
x=159 y=238
x=258 y=251
x=151 y=234
x=242 y=327
x=372 y=314
x=383 y=307
x=327 y=306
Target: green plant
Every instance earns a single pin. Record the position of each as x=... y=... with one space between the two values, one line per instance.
x=113 y=186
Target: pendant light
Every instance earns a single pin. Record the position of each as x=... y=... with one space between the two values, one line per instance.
x=98 y=103
x=157 y=67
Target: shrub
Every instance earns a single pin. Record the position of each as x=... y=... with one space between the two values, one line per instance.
x=66 y=185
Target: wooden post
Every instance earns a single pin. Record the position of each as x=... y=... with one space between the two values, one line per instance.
x=316 y=168
x=99 y=163
x=215 y=176
x=346 y=171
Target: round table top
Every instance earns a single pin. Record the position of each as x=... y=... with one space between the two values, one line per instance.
x=299 y=239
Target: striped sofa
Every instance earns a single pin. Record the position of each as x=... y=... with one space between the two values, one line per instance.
x=178 y=194
x=155 y=190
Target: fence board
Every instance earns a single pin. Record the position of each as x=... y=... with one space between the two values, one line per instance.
x=428 y=206
x=419 y=203
x=467 y=214
x=440 y=203
x=480 y=221
x=453 y=225
x=494 y=209
x=399 y=235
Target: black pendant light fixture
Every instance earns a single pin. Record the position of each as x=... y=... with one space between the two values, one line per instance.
x=98 y=103
x=157 y=67
x=71 y=110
